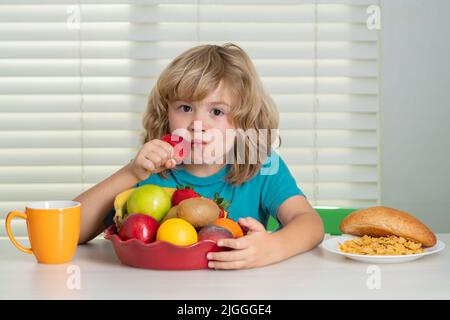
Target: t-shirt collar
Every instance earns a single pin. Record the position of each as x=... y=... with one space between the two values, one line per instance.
x=182 y=174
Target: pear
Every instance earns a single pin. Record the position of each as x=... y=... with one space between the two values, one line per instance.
x=171 y=214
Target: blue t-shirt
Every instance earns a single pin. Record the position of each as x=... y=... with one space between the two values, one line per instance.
x=259 y=197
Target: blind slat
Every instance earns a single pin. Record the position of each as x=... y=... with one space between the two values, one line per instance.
x=116 y=156
x=137 y=103
x=188 y=13
x=186 y=32
x=93 y=174
x=157 y=2
x=139 y=68
x=127 y=85
x=124 y=121
x=169 y=49
x=125 y=138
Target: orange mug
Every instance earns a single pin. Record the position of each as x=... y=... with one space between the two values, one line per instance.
x=53 y=230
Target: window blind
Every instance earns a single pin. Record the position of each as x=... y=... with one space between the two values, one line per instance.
x=74 y=77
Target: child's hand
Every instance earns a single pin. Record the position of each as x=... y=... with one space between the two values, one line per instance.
x=255 y=249
x=154 y=156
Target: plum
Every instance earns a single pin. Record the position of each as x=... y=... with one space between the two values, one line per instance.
x=213 y=232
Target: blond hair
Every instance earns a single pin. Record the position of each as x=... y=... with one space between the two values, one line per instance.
x=196 y=73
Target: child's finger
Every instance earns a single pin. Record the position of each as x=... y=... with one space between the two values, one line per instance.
x=151 y=150
x=251 y=224
x=233 y=255
x=156 y=158
x=163 y=152
x=228 y=265
x=238 y=243
x=166 y=146
x=170 y=164
x=149 y=166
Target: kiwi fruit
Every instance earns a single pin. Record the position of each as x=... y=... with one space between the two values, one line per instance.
x=198 y=211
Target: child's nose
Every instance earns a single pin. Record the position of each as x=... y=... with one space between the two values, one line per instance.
x=197 y=126
x=200 y=121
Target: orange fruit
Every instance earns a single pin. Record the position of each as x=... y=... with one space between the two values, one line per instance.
x=230 y=225
x=177 y=231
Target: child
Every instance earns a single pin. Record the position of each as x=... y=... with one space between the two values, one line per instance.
x=203 y=95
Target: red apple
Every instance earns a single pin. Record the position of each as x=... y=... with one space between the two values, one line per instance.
x=139 y=226
x=213 y=232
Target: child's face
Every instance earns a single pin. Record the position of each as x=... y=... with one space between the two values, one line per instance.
x=205 y=124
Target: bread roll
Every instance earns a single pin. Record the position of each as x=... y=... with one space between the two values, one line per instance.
x=383 y=221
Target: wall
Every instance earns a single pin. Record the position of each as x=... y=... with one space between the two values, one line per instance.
x=415 y=109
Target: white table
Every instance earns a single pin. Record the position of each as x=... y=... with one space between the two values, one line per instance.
x=313 y=275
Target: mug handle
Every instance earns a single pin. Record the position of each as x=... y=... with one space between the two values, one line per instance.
x=9 y=217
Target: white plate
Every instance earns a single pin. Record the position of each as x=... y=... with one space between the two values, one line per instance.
x=332 y=245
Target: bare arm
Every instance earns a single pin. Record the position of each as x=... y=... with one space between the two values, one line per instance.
x=98 y=201
x=302 y=227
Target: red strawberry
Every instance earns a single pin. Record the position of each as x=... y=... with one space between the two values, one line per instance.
x=183 y=193
x=181 y=146
x=222 y=203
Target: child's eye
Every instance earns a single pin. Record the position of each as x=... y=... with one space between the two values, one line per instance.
x=217 y=112
x=185 y=108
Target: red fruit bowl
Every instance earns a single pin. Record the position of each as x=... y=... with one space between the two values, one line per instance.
x=161 y=255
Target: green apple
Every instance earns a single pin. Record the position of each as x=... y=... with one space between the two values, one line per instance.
x=149 y=199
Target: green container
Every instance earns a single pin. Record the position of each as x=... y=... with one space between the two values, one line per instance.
x=272 y=224
x=331 y=217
